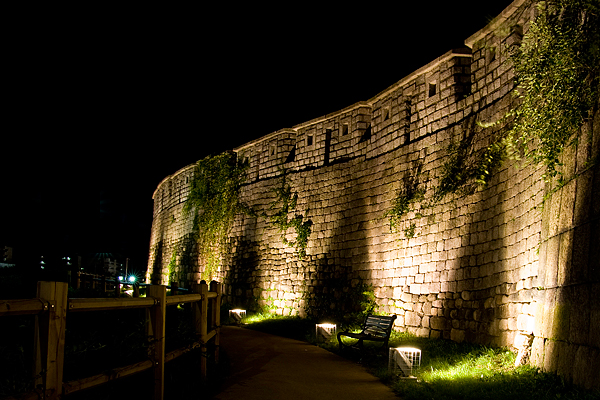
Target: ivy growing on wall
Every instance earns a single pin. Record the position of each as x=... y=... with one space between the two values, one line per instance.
x=344 y=301
x=214 y=202
x=172 y=268
x=557 y=69
x=409 y=193
x=285 y=217
x=557 y=72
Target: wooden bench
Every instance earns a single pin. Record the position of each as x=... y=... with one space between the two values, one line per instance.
x=377 y=328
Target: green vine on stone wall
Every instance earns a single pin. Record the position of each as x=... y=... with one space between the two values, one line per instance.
x=343 y=301
x=172 y=268
x=466 y=169
x=407 y=196
x=214 y=201
x=557 y=70
x=285 y=204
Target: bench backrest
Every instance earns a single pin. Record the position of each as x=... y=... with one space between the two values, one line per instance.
x=379 y=325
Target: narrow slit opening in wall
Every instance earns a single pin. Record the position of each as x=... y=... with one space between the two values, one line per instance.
x=309 y=140
x=272 y=151
x=491 y=54
x=344 y=129
x=366 y=135
x=432 y=89
x=292 y=156
x=386 y=114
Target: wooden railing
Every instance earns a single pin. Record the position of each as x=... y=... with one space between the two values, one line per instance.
x=51 y=308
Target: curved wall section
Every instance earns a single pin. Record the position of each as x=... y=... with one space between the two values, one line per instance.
x=487 y=267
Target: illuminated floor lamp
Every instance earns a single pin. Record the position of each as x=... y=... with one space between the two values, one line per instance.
x=237 y=315
x=324 y=332
x=404 y=358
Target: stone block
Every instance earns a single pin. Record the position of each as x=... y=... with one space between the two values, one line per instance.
x=438 y=323
x=525 y=323
x=550 y=356
x=415 y=288
x=427 y=306
x=412 y=319
x=566 y=359
x=457 y=335
x=586 y=359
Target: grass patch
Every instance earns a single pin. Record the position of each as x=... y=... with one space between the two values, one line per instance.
x=289 y=327
x=451 y=370
x=448 y=371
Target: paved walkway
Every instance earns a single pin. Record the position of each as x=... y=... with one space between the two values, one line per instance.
x=265 y=367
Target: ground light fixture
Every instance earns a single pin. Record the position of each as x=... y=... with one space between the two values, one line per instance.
x=405 y=359
x=237 y=314
x=324 y=332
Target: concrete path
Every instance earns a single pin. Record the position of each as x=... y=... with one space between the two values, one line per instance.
x=265 y=367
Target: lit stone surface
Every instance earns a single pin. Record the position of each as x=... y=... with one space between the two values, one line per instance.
x=486 y=267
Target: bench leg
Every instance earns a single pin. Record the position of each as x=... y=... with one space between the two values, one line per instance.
x=342 y=345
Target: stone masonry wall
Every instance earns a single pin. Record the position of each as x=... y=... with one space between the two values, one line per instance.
x=488 y=267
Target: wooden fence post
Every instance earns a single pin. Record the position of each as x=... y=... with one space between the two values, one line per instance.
x=49 y=340
x=203 y=328
x=157 y=324
x=216 y=316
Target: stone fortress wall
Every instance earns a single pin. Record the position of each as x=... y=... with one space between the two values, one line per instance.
x=489 y=267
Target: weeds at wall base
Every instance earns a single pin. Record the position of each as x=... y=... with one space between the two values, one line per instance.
x=449 y=370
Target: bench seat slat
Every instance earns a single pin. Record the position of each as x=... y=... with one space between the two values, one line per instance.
x=375 y=328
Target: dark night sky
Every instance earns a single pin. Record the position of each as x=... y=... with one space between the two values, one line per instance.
x=103 y=103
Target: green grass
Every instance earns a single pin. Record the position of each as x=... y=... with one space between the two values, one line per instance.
x=449 y=370
x=290 y=327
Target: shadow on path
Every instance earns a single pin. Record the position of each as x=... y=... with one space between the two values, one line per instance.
x=263 y=366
